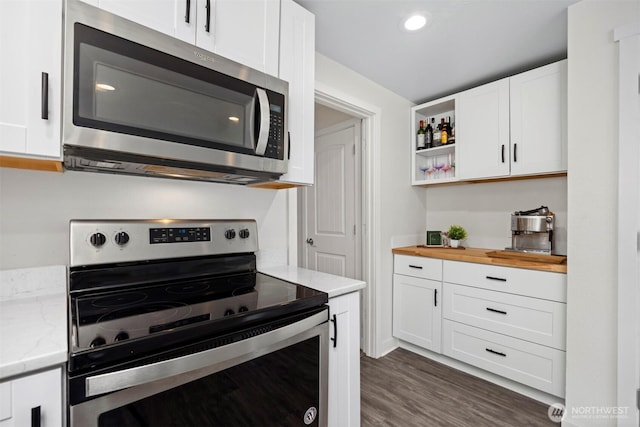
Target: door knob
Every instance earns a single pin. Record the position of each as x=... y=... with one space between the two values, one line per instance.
x=310 y=241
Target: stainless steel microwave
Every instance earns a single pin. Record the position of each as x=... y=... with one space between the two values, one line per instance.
x=137 y=101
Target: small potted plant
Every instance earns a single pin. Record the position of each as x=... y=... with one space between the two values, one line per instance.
x=455 y=234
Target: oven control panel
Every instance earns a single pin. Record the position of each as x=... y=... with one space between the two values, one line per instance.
x=179 y=235
x=112 y=241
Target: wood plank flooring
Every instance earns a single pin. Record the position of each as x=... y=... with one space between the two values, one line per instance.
x=406 y=389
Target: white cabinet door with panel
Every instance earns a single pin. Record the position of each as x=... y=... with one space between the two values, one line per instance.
x=344 y=360
x=538 y=115
x=483 y=131
x=166 y=16
x=417 y=313
x=297 y=66
x=245 y=31
x=417 y=301
x=532 y=319
x=532 y=364
x=30 y=77
x=34 y=400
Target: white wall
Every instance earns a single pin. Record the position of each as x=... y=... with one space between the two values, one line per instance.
x=484 y=209
x=325 y=117
x=592 y=190
x=399 y=207
x=35 y=209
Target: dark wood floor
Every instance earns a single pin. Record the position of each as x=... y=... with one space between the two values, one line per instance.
x=405 y=389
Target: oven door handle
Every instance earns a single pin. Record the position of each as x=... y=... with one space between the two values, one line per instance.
x=114 y=381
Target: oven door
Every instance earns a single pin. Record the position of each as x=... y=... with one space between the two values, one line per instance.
x=276 y=378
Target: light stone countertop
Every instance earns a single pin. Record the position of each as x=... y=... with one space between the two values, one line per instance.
x=329 y=283
x=33 y=319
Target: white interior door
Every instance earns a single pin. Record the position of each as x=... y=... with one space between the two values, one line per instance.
x=332 y=202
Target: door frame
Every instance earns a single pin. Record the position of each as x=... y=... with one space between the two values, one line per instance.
x=369 y=207
x=357 y=172
x=628 y=38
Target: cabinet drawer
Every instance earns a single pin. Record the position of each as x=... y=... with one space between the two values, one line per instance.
x=537 y=366
x=416 y=266
x=533 y=283
x=536 y=320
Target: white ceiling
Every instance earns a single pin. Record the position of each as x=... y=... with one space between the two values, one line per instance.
x=469 y=42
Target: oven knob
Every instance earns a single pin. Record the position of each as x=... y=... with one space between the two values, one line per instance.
x=229 y=312
x=244 y=233
x=97 y=239
x=98 y=341
x=122 y=238
x=230 y=234
x=121 y=336
x=242 y=309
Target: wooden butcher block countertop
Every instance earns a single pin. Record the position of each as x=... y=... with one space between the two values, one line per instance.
x=553 y=263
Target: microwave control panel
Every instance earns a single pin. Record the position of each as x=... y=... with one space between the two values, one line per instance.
x=275 y=144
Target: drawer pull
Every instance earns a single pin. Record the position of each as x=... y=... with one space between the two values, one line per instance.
x=36 y=417
x=419 y=267
x=435 y=297
x=499 y=279
x=496 y=352
x=493 y=310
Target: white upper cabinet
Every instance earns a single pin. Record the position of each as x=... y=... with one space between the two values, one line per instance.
x=539 y=120
x=515 y=126
x=483 y=131
x=30 y=77
x=297 y=66
x=245 y=31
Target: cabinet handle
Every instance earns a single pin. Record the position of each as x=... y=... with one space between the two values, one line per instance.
x=289 y=148
x=496 y=352
x=207 y=25
x=515 y=152
x=435 y=297
x=496 y=311
x=44 y=104
x=187 y=16
x=35 y=417
x=419 y=267
x=335 y=331
x=502 y=153
x=500 y=279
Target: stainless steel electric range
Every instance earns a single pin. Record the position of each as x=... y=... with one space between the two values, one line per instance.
x=171 y=324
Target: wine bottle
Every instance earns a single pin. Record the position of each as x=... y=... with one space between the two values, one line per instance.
x=436 y=133
x=421 y=133
x=429 y=135
x=452 y=132
x=444 y=134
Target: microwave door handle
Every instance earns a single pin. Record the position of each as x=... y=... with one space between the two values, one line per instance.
x=263 y=133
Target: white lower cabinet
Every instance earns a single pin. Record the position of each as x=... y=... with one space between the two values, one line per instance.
x=344 y=360
x=509 y=321
x=417 y=312
x=32 y=400
x=532 y=364
x=417 y=296
x=505 y=320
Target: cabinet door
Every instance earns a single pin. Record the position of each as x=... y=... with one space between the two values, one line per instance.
x=30 y=77
x=344 y=360
x=165 y=16
x=539 y=120
x=482 y=131
x=35 y=394
x=297 y=66
x=417 y=312
x=244 y=31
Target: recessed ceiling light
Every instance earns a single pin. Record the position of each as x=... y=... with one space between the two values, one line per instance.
x=415 y=22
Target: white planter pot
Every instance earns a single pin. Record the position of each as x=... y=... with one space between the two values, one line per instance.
x=454 y=243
